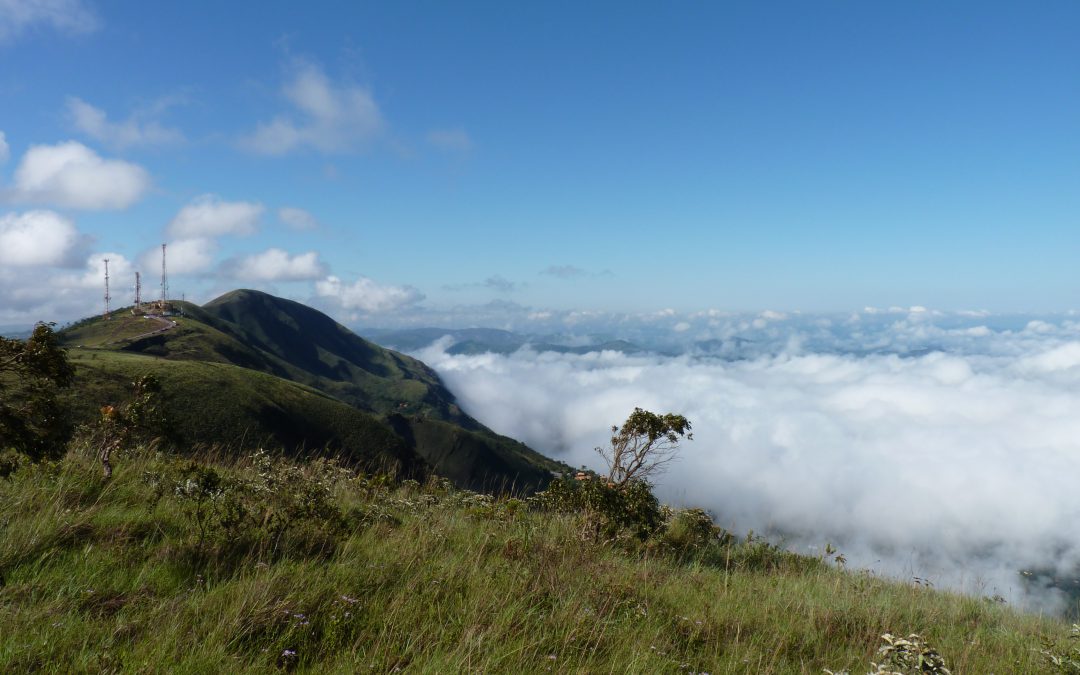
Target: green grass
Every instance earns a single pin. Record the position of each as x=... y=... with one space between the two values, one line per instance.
x=110 y=577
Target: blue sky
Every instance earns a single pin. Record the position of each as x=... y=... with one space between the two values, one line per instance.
x=437 y=157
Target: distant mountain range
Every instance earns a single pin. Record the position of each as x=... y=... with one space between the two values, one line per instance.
x=491 y=340
x=250 y=368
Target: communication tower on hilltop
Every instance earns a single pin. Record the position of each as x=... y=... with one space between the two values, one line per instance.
x=164 y=281
x=138 y=293
x=107 y=298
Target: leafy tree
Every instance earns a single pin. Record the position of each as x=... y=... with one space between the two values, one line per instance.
x=32 y=420
x=643 y=446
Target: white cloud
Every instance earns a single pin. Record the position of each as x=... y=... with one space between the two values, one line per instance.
x=71 y=17
x=136 y=130
x=35 y=238
x=277 y=265
x=121 y=276
x=209 y=216
x=959 y=468
x=329 y=117
x=5 y=151
x=72 y=175
x=58 y=294
x=183 y=256
x=366 y=295
x=452 y=140
x=297 y=219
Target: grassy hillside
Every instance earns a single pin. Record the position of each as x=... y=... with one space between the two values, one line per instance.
x=317 y=350
x=207 y=401
x=272 y=336
x=480 y=461
x=337 y=573
x=121 y=327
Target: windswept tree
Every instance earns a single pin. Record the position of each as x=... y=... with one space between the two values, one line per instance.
x=643 y=446
x=32 y=420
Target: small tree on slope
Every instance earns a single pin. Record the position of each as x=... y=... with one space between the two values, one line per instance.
x=643 y=446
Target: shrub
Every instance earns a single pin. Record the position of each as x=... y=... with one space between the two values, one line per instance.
x=608 y=510
x=906 y=656
x=688 y=530
x=273 y=508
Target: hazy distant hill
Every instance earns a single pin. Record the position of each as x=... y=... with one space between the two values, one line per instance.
x=15 y=332
x=249 y=363
x=489 y=340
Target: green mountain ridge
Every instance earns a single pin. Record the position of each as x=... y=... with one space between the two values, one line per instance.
x=249 y=364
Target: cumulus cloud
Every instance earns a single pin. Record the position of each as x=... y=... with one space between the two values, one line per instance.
x=71 y=17
x=210 y=216
x=5 y=151
x=184 y=256
x=52 y=294
x=328 y=117
x=366 y=295
x=956 y=467
x=72 y=175
x=136 y=130
x=35 y=238
x=121 y=276
x=297 y=219
x=451 y=140
x=276 y=265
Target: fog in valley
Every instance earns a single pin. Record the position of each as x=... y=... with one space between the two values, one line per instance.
x=936 y=448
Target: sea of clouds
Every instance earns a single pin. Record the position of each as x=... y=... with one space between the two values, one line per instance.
x=925 y=446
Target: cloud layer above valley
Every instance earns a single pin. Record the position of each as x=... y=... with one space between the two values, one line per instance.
x=956 y=465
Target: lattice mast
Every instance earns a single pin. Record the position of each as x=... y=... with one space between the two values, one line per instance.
x=164 y=281
x=138 y=292
x=107 y=298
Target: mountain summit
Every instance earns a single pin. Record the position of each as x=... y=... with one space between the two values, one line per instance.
x=249 y=365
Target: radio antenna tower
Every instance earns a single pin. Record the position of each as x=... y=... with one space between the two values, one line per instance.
x=107 y=298
x=138 y=292
x=164 y=281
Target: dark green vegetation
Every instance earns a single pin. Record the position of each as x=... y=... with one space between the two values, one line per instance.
x=254 y=564
x=32 y=420
x=264 y=371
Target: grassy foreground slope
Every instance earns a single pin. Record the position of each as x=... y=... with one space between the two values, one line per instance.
x=133 y=575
